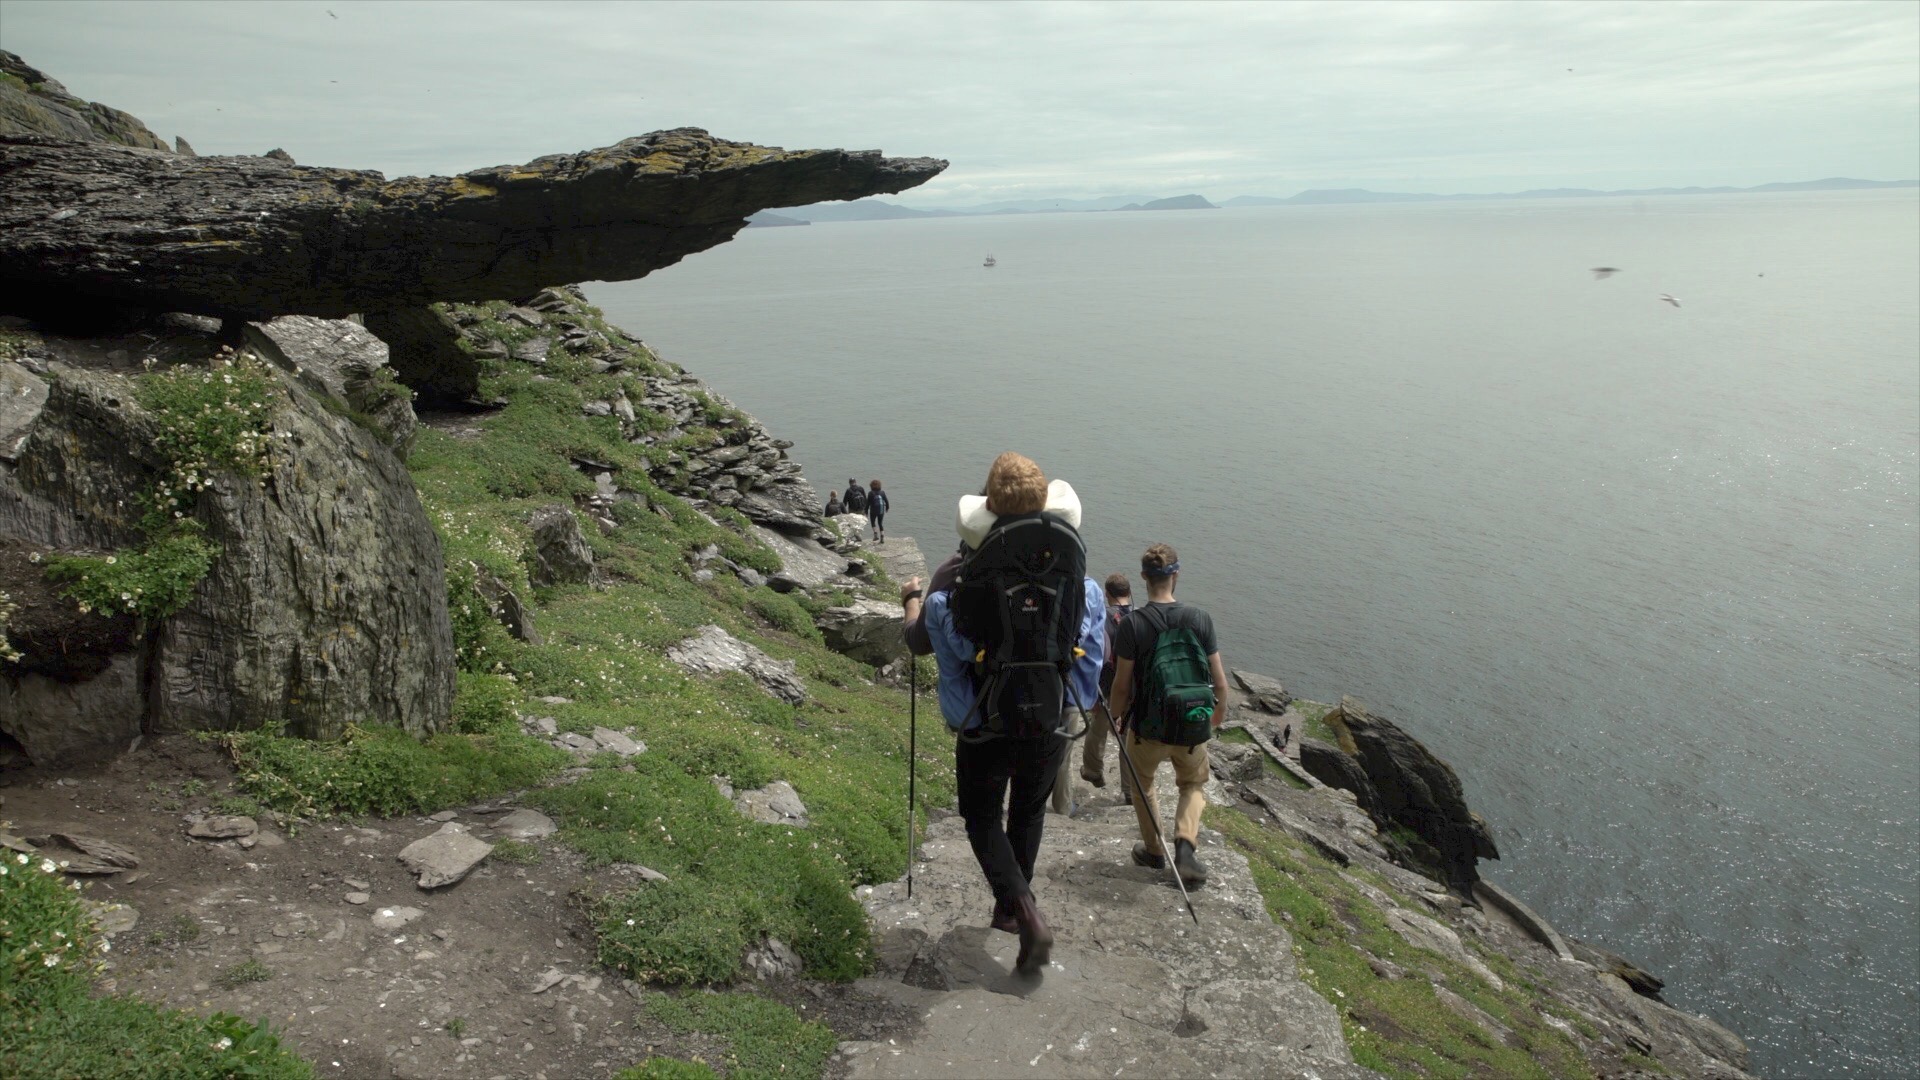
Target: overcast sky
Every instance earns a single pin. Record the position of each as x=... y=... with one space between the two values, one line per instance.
x=1034 y=100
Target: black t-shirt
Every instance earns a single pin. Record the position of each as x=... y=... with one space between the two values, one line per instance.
x=1137 y=634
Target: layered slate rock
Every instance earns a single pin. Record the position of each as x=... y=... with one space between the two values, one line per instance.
x=257 y=238
x=325 y=606
x=342 y=359
x=866 y=630
x=1416 y=789
x=32 y=102
x=713 y=651
x=559 y=555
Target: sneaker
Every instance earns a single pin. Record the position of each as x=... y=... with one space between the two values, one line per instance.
x=1036 y=938
x=1189 y=868
x=1143 y=857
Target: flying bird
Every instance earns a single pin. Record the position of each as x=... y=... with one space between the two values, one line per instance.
x=331 y=15
x=1600 y=272
x=1668 y=297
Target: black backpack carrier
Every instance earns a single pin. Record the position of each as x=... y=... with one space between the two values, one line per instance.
x=1019 y=598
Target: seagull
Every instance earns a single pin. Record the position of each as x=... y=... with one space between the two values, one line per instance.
x=1600 y=272
x=1668 y=297
x=331 y=15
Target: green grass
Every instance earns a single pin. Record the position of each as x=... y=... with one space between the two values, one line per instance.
x=250 y=971
x=764 y=1039
x=515 y=851
x=1316 y=726
x=1397 y=1027
x=51 y=1025
x=384 y=771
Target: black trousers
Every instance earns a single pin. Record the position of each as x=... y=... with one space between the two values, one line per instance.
x=1003 y=788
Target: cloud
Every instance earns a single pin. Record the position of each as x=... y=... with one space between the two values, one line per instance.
x=1036 y=99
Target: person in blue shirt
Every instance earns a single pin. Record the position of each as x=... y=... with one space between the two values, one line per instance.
x=1003 y=783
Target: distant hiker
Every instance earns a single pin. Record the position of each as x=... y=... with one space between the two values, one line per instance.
x=1093 y=757
x=854 y=499
x=1170 y=684
x=1003 y=621
x=833 y=504
x=877 y=504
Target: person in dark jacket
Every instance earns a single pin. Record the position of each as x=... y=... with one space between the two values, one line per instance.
x=877 y=506
x=854 y=501
x=833 y=504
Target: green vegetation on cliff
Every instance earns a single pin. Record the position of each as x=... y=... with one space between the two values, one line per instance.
x=730 y=880
x=1410 y=1016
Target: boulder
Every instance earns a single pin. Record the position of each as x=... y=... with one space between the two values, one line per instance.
x=445 y=857
x=772 y=959
x=341 y=359
x=222 y=827
x=423 y=345
x=1338 y=769
x=866 y=630
x=614 y=742
x=559 y=555
x=1415 y=789
x=1263 y=693
x=506 y=606
x=256 y=237
x=325 y=605
x=525 y=825
x=713 y=651
x=775 y=804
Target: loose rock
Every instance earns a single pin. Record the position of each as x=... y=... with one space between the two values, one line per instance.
x=445 y=857
x=394 y=918
x=222 y=827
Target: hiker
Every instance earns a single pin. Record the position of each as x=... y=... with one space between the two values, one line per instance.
x=1093 y=762
x=877 y=504
x=1007 y=713
x=1164 y=656
x=1083 y=687
x=833 y=504
x=854 y=500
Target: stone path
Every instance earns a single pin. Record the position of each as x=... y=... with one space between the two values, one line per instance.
x=1133 y=989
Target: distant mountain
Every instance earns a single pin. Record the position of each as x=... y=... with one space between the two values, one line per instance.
x=767 y=219
x=1326 y=196
x=1178 y=202
x=1054 y=206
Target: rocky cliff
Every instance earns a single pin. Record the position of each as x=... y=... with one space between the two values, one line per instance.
x=206 y=522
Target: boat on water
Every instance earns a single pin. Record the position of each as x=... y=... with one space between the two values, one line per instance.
x=989 y=262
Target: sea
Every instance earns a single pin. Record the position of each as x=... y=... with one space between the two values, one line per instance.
x=1646 y=573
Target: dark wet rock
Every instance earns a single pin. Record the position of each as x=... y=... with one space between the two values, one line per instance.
x=1263 y=693
x=257 y=237
x=423 y=345
x=1417 y=790
x=560 y=554
x=1643 y=982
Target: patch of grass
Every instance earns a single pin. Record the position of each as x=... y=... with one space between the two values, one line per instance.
x=765 y=1038
x=192 y=787
x=239 y=806
x=457 y=1027
x=515 y=851
x=251 y=971
x=1397 y=1027
x=179 y=930
x=666 y=1068
x=54 y=1026
x=1316 y=726
x=384 y=771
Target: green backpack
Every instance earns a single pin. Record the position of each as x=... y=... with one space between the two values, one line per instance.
x=1176 y=704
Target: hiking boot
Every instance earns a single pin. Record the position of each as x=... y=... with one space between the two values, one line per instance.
x=1143 y=857
x=1186 y=865
x=1003 y=918
x=1094 y=778
x=1036 y=940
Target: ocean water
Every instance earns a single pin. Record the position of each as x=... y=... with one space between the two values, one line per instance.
x=1648 y=577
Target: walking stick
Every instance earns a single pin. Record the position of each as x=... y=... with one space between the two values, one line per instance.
x=1153 y=818
x=913 y=759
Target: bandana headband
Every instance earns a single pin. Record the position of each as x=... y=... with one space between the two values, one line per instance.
x=1168 y=570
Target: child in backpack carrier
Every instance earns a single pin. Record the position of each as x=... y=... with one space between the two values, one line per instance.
x=1003 y=691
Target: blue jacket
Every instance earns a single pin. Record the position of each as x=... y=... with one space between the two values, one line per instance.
x=955 y=657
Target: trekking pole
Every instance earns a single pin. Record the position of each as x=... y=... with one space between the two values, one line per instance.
x=913 y=758
x=1153 y=818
